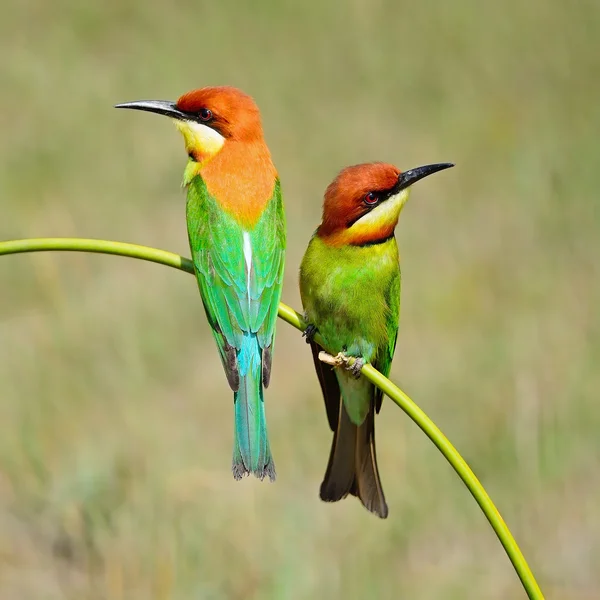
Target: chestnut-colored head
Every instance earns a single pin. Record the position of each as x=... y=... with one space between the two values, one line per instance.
x=363 y=203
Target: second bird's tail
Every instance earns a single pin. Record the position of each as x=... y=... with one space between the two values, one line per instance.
x=251 y=452
x=352 y=467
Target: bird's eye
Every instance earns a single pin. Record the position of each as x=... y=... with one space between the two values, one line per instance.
x=205 y=114
x=370 y=198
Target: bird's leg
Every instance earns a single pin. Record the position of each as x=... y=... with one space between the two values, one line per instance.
x=309 y=333
x=354 y=364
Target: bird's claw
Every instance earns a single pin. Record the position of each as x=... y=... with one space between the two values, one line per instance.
x=350 y=363
x=356 y=367
x=309 y=333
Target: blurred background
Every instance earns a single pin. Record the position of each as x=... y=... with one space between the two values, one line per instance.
x=115 y=416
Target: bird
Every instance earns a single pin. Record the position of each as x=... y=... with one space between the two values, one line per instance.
x=350 y=292
x=237 y=236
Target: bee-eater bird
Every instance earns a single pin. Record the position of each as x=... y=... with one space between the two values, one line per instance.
x=350 y=290
x=236 y=230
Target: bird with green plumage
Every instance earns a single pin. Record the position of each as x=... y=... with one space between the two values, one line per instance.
x=236 y=231
x=350 y=290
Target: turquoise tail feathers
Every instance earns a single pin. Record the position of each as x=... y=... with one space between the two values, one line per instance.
x=251 y=452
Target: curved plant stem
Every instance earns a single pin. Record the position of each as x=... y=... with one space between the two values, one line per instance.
x=98 y=246
x=293 y=318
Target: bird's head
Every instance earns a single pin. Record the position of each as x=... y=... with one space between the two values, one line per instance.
x=363 y=203
x=209 y=118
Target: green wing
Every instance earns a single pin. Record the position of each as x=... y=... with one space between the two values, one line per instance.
x=240 y=273
x=383 y=363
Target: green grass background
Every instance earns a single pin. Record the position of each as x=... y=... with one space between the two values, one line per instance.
x=115 y=417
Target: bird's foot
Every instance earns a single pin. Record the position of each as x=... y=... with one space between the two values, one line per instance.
x=356 y=367
x=309 y=333
x=350 y=363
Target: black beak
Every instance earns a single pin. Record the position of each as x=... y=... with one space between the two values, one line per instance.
x=160 y=107
x=407 y=178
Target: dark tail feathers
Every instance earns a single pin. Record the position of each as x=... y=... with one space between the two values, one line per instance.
x=352 y=467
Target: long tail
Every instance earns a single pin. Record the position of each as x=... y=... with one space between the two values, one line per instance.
x=251 y=452
x=352 y=467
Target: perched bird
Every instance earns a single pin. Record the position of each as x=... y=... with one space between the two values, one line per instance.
x=236 y=230
x=350 y=290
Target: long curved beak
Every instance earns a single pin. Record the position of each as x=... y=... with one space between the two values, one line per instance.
x=160 y=107
x=407 y=178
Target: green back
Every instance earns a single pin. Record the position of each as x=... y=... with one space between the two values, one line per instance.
x=237 y=303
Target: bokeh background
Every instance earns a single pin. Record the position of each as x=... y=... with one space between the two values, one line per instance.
x=115 y=417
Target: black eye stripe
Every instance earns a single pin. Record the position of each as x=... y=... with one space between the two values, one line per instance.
x=214 y=122
x=380 y=196
x=375 y=197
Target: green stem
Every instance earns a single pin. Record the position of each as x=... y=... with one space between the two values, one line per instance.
x=293 y=318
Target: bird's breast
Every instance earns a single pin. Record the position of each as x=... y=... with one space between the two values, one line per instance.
x=345 y=291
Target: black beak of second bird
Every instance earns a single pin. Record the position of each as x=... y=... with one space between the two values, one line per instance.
x=407 y=178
